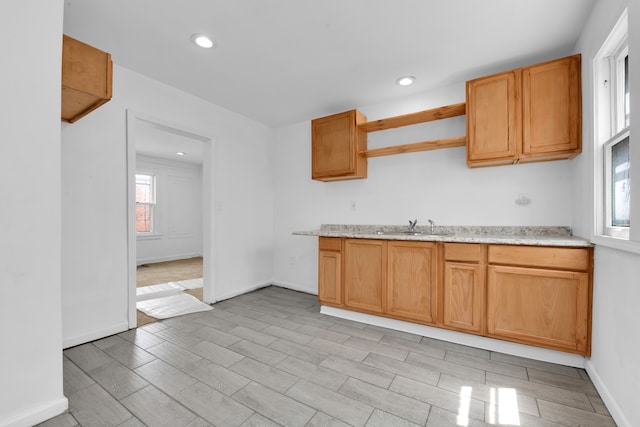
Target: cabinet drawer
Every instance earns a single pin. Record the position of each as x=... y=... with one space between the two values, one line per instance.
x=540 y=256
x=330 y=243
x=469 y=252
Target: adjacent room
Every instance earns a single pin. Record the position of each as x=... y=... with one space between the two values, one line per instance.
x=303 y=213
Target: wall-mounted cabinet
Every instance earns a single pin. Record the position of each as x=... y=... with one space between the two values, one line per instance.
x=86 y=79
x=336 y=143
x=525 y=115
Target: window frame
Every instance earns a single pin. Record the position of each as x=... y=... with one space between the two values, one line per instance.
x=152 y=205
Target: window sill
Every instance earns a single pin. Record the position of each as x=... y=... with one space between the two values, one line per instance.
x=616 y=243
x=148 y=236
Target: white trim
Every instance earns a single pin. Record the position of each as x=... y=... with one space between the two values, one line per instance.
x=37 y=415
x=485 y=343
x=95 y=335
x=208 y=213
x=294 y=287
x=609 y=401
x=167 y=258
x=243 y=291
x=616 y=243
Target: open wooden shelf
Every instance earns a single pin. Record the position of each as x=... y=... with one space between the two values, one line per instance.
x=415 y=118
x=459 y=141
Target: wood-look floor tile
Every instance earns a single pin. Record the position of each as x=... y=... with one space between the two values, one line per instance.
x=129 y=354
x=63 y=420
x=216 y=376
x=248 y=322
x=311 y=372
x=94 y=406
x=264 y=374
x=438 y=397
x=381 y=418
x=346 y=409
x=562 y=381
x=358 y=370
x=117 y=379
x=408 y=370
x=257 y=420
x=174 y=355
x=283 y=322
x=417 y=347
x=302 y=352
x=154 y=408
x=179 y=336
x=536 y=364
x=395 y=333
x=274 y=406
x=141 y=338
x=486 y=364
x=363 y=333
x=287 y=334
x=165 y=377
x=378 y=348
x=541 y=391
x=320 y=419
x=572 y=416
x=450 y=346
x=441 y=418
x=215 y=336
x=221 y=355
x=446 y=367
x=338 y=349
x=74 y=378
x=395 y=403
x=252 y=335
x=88 y=356
x=316 y=332
x=213 y=406
x=258 y=352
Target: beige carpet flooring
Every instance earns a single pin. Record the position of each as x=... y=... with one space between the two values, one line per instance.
x=168 y=271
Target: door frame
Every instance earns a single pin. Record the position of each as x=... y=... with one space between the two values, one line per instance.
x=208 y=201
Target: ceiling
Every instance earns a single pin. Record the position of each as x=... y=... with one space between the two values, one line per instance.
x=285 y=61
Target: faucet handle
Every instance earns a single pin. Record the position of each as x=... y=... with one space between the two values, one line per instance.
x=412 y=224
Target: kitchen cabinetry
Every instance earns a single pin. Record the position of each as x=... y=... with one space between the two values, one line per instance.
x=330 y=270
x=336 y=146
x=364 y=274
x=86 y=79
x=525 y=115
x=464 y=287
x=533 y=295
x=412 y=291
x=540 y=296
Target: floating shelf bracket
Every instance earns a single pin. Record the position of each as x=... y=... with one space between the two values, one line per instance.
x=459 y=141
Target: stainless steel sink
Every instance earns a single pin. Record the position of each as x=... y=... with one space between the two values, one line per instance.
x=412 y=233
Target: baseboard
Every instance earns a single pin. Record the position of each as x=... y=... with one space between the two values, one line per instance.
x=240 y=292
x=295 y=287
x=95 y=335
x=609 y=401
x=139 y=262
x=37 y=415
x=484 y=343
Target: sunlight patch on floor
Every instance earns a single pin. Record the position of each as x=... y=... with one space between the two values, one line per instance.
x=503 y=407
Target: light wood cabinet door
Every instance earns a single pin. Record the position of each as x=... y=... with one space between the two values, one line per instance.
x=549 y=308
x=412 y=281
x=551 y=108
x=336 y=142
x=364 y=274
x=493 y=119
x=464 y=297
x=330 y=277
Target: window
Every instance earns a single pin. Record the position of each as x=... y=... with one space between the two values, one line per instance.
x=145 y=203
x=612 y=135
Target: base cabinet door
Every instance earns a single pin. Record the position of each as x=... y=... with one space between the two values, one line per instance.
x=329 y=277
x=364 y=274
x=539 y=307
x=463 y=288
x=412 y=281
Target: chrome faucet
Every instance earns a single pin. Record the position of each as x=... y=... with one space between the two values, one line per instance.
x=433 y=226
x=412 y=224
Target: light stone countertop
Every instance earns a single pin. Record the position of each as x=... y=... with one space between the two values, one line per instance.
x=525 y=235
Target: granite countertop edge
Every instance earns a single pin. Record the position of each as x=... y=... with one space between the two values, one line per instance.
x=511 y=235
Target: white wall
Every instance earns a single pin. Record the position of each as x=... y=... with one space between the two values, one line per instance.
x=94 y=201
x=177 y=224
x=433 y=185
x=614 y=364
x=30 y=318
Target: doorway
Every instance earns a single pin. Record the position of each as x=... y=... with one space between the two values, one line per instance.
x=157 y=142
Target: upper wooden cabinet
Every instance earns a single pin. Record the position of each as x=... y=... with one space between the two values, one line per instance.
x=86 y=79
x=336 y=143
x=525 y=115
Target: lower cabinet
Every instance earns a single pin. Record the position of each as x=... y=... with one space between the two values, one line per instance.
x=412 y=291
x=330 y=270
x=464 y=287
x=532 y=295
x=364 y=274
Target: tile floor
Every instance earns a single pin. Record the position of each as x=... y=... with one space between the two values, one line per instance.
x=269 y=358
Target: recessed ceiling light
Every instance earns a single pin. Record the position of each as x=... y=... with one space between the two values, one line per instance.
x=181 y=153
x=203 y=41
x=405 y=80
